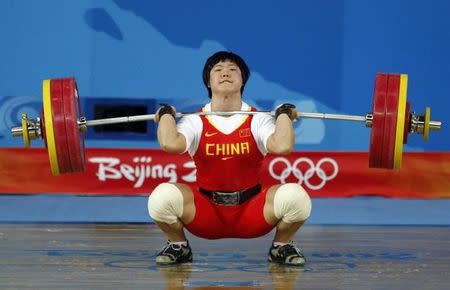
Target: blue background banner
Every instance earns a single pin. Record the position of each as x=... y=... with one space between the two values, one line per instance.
x=320 y=55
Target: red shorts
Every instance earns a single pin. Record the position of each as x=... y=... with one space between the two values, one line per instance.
x=214 y=221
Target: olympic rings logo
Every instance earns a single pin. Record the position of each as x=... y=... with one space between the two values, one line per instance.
x=304 y=177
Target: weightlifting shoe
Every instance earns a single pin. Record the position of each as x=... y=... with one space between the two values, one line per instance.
x=287 y=254
x=173 y=254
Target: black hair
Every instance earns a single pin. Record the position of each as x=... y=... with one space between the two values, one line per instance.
x=223 y=56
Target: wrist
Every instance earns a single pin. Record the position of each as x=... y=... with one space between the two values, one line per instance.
x=285 y=109
x=166 y=110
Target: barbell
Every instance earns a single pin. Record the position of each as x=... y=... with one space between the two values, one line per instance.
x=62 y=126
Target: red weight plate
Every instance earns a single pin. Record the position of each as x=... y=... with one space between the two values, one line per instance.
x=390 y=123
x=59 y=127
x=379 y=113
x=407 y=123
x=74 y=136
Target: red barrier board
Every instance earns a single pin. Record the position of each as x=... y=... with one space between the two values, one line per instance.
x=138 y=171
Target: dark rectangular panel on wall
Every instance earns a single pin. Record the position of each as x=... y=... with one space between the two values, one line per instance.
x=102 y=108
x=103 y=111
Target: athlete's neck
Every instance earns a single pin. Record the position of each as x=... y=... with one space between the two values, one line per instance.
x=226 y=103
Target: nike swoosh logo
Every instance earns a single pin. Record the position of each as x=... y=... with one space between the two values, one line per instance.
x=210 y=134
x=226 y=158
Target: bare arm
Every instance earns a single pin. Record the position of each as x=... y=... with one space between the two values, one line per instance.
x=283 y=138
x=168 y=137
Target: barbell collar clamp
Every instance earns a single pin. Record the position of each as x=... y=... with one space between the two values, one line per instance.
x=33 y=126
x=82 y=124
x=418 y=124
x=369 y=120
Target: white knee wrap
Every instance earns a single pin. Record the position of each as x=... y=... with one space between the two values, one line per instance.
x=291 y=203
x=165 y=203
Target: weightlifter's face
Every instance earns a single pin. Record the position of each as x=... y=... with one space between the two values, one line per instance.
x=225 y=78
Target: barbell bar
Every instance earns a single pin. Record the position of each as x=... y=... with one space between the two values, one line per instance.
x=34 y=129
x=33 y=125
x=62 y=126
